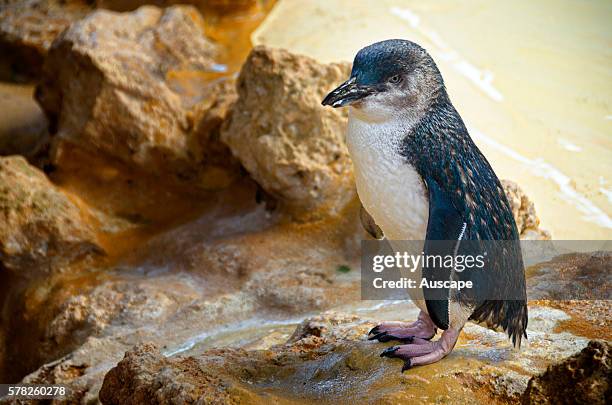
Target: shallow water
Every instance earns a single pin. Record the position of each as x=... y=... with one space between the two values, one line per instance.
x=533 y=81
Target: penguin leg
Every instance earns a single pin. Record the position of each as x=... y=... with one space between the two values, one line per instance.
x=421 y=353
x=422 y=328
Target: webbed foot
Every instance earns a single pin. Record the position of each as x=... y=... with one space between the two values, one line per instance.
x=422 y=351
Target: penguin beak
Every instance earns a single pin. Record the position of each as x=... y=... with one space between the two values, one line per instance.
x=346 y=94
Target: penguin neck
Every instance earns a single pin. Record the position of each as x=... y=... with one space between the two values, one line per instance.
x=382 y=132
x=373 y=123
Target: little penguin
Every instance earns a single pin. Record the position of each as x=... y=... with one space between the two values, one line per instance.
x=420 y=176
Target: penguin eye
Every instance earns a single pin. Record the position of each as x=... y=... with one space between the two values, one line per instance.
x=395 y=79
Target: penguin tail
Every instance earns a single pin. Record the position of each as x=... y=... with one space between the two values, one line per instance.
x=511 y=316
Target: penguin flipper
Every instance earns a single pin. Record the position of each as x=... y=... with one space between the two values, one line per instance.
x=445 y=229
x=369 y=224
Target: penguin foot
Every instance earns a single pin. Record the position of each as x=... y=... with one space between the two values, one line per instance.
x=403 y=336
x=423 y=328
x=422 y=351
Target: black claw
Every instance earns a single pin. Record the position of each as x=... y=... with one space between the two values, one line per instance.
x=407 y=365
x=389 y=351
x=373 y=330
x=378 y=336
x=384 y=337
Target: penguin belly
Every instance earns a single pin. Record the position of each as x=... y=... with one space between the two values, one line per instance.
x=389 y=187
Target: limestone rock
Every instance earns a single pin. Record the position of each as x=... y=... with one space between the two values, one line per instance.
x=584 y=378
x=126 y=85
x=502 y=386
x=40 y=228
x=29 y=27
x=297 y=290
x=329 y=359
x=523 y=210
x=325 y=326
x=95 y=327
x=142 y=369
x=290 y=144
x=573 y=276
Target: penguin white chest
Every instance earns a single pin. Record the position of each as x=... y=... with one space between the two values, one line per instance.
x=389 y=187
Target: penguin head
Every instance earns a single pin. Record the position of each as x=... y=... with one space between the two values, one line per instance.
x=389 y=79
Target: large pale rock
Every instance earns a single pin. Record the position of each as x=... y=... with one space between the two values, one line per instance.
x=126 y=85
x=584 y=378
x=523 y=210
x=28 y=28
x=40 y=228
x=291 y=145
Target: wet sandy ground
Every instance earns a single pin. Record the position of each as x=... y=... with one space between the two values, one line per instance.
x=533 y=81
